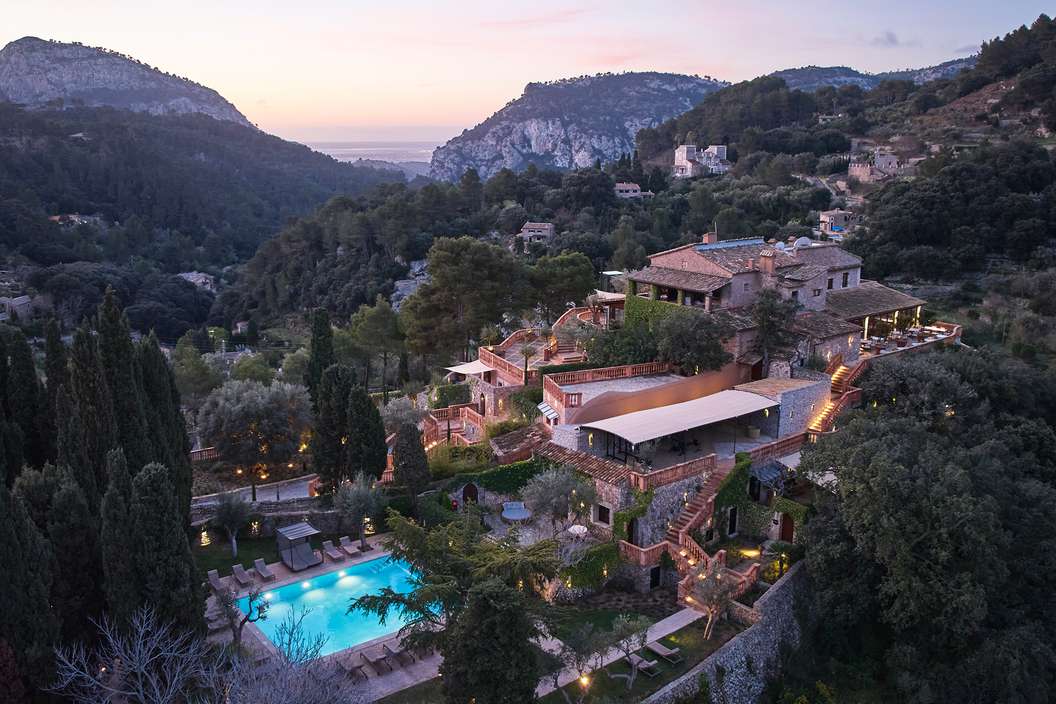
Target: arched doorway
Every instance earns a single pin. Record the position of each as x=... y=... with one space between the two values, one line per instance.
x=788 y=527
x=469 y=493
x=483 y=407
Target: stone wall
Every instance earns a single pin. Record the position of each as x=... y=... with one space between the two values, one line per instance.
x=799 y=406
x=667 y=504
x=751 y=658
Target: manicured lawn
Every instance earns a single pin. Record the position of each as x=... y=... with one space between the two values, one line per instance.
x=690 y=640
x=427 y=692
x=574 y=617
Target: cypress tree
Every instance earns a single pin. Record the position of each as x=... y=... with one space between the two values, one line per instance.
x=36 y=489
x=410 y=463
x=25 y=397
x=10 y=450
x=27 y=621
x=73 y=531
x=90 y=394
x=329 y=459
x=56 y=363
x=71 y=452
x=165 y=420
x=165 y=570
x=117 y=541
x=5 y=371
x=321 y=355
x=118 y=356
x=366 y=449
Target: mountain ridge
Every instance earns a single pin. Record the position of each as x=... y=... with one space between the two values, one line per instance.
x=42 y=73
x=570 y=123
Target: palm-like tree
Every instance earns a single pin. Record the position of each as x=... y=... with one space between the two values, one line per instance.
x=529 y=352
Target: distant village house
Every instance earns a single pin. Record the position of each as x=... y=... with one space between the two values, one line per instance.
x=691 y=162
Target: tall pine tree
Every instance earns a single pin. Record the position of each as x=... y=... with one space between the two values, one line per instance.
x=330 y=436
x=120 y=582
x=366 y=448
x=76 y=592
x=118 y=357
x=321 y=355
x=165 y=570
x=166 y=423
x=27 y=621
x=25 y=398
x=90 y=394
x=56 y=362
x=72 y=453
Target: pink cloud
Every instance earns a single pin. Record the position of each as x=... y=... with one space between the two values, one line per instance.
x=535 y=21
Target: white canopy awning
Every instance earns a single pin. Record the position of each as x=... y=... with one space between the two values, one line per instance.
x=608 y=296
x=653 y=423
x=474 y=367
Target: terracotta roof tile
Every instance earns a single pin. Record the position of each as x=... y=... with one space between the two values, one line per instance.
x=601 y=469
x=677 y=278
x=822 y=326
x=868 y=298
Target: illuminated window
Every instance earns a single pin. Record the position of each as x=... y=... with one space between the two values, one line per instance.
x=590 y=439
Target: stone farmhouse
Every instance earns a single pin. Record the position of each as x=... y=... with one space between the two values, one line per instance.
x=534 y=233
x=839 y=222
x=677 y=438
x=630 y=191
x=691 y=162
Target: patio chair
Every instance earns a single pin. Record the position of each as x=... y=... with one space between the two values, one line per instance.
x=647 y=666
x=332 y=552
x=263 y=570
x=353 y=669
x=349 y=546
x=377 y=662
x=241 y=575
x=672 y=655
x=215 y=583
x=395 y=653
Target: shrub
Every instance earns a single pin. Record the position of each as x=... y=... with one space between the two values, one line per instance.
x=508 y=479
x=447 y=461
x=526 y=403
x=794 y=552
x=494 y=430
x=444 y=395
x=817 y=363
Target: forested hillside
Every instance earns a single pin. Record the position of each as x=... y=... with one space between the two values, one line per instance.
x=184 y=190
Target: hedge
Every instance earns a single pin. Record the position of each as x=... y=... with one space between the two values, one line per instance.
x=445 y=395
x=508 y=479
x=645 y=310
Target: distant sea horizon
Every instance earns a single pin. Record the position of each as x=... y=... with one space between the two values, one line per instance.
x=388 y=150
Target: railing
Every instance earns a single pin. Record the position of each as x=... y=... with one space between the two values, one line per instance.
x=694 y=553
x=503 y=365
x=450 y=412
x=643 y=481
x=858 y=370
x=522 y=335
x=626 y=371
x=835 y=363
x=205 y=454
x=642 y=557
x=470 y=416
x=698 y=519
x=569 y=314
x=779 y=448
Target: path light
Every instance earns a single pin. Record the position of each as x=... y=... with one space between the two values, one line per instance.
x=584 y=681
x=204 y=540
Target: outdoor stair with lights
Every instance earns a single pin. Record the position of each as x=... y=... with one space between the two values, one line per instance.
x=826 y=419
x=839 y=379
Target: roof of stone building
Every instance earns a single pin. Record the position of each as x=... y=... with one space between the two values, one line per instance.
x=773 y=387
x=822 y=326
x=596 y=467
x=735 y=255
x=738 y=319
x=868 y=298
x=804 y=272
x=678 y=278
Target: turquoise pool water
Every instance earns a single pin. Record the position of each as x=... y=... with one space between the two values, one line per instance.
x=327 y=597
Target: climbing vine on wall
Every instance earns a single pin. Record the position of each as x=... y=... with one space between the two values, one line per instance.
x=642 y=500
x=752 y=517
x=645 y=310
x=594 y=567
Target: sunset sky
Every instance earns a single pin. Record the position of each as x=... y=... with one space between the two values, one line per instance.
x=409 y=69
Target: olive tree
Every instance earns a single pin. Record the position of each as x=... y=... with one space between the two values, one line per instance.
x=358 y=500
x=561 y=494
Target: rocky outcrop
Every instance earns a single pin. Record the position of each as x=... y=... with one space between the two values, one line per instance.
x=570 y=123
x=40 y=73
x=810 y=78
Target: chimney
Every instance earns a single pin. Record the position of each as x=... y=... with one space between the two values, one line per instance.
x=710 y=238
x=751 y=264
x=766 y=261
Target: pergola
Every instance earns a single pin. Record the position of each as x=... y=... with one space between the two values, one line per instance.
x=877 y=308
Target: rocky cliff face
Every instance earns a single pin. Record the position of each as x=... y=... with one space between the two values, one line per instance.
x=570 y=123
x=41 y=73
x=810 y=78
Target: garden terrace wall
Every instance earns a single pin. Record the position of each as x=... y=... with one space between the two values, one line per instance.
x=753 y=657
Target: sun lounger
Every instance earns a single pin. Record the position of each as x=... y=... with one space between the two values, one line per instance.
x=241 y=575
x=353 y=669
x=263 y=570
x=672 y=655
x=398 y=651
x=643 y=665
x=348 y=546
x=332 y=552
x=375 y=661
x=215 y=583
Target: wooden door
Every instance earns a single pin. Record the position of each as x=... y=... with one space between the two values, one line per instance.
x=788 y=528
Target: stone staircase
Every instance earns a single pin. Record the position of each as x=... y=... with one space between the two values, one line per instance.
x=839 y=379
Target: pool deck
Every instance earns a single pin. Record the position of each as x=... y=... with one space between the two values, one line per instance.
x=378 y=684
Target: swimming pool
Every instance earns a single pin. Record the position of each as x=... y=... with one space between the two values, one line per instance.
x=327 y=597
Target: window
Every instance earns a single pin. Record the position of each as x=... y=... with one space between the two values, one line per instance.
x=602 y=514
x=846 y=278
x=747 y=287
x=830 y=285
x=795 y=295
x=817 y=292
x=753 y=488
x=683 y=263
